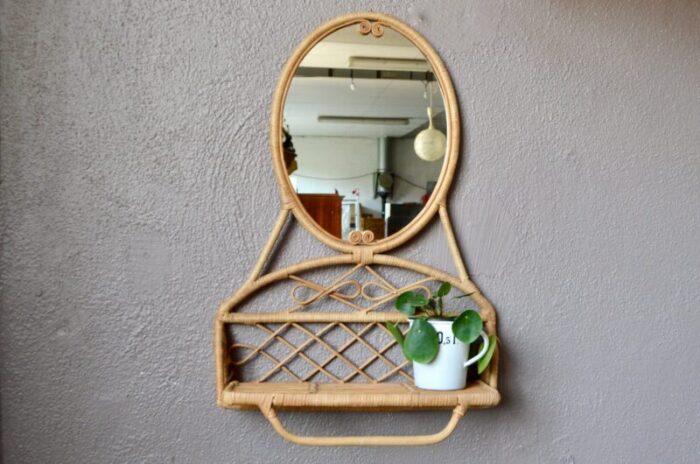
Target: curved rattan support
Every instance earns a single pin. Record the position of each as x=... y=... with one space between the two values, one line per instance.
x=373 y=440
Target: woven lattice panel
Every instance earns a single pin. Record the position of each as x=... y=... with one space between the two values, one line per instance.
x=325 y=352
x=332 y=352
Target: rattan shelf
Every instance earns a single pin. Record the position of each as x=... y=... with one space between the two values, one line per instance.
x=328 y=348
x=357 y=397
x=384 y=397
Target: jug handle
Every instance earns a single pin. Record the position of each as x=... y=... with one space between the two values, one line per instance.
x=481 y=354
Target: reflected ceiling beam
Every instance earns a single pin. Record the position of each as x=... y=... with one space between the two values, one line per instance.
x=388 y=64
x=345 y=73
x=364 y=120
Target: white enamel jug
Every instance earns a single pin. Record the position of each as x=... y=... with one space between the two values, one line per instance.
x=448 y=371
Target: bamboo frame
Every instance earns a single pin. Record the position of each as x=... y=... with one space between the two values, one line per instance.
x=377 y=392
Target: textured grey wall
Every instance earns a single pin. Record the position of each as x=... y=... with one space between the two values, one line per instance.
x=137 y=192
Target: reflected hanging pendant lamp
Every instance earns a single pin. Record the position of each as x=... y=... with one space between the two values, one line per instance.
x=430 y=143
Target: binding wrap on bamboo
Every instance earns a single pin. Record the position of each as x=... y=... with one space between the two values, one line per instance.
x=376 y=383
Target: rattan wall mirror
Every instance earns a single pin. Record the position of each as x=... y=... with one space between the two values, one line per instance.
x=356 y=97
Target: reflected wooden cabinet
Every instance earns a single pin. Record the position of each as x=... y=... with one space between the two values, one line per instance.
x=376 y=225
x=325 y=209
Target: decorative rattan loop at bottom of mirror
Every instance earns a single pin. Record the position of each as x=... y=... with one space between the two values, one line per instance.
x=355 y=237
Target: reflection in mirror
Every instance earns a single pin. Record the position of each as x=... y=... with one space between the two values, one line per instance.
x=364 y=138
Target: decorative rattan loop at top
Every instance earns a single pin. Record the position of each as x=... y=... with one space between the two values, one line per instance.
x=377 y=29
x=365 y=27
x=367 y=237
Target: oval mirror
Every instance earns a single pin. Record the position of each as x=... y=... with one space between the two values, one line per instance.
x=364 y=133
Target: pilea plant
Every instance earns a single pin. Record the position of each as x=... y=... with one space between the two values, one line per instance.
x=421 y=343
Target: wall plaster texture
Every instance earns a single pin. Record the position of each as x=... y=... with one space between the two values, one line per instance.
x=137 y=191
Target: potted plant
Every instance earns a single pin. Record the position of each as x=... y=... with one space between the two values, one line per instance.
x=437 y=342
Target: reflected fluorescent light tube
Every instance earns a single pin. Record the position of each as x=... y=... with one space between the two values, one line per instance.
x=364 y=120
x=389 y=64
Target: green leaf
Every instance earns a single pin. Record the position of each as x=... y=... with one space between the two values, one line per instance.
x=418 y=300
x=467 y=326
x=395 y=332
x=484 y=362
x=421 y=343
x=403 y=303
x=443 y=290
x=407 y=302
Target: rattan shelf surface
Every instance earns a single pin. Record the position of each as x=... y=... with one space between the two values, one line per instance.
x=385 y=396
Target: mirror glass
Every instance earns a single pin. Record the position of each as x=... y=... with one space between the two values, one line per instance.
x=359 y=146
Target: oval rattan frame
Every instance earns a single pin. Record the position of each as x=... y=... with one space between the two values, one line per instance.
x=374 y=23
